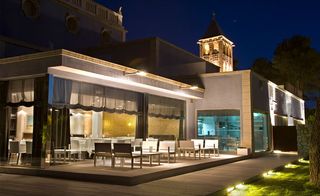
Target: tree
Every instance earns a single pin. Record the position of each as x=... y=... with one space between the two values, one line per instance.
x=299 y=64
x=264 y=67
x=314 y=149
x=296 y=62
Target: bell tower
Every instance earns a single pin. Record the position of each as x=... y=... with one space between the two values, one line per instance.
x=215 y=48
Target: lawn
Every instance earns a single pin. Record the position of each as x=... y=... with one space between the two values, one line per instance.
x=292 y=180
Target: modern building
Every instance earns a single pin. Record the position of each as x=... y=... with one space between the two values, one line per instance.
x=54 y=99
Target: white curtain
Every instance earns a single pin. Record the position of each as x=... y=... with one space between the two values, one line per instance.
x=21 y=91
x=165 y=107
x=95 y=97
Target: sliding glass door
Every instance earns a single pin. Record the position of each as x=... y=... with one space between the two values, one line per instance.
x=261 y=133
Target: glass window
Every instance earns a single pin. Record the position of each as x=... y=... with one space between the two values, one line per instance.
x=101 y=124
x=20 y=135
x=261 y=136
x=81 y=122
x=119 y=125
x=162 y=126
x=165 y=116
x=221 y=124
x=74 y=94
x=21 y=123
x=21 y=91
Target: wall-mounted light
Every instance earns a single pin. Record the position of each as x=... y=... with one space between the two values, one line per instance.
x=139 y=73
x=193 y=87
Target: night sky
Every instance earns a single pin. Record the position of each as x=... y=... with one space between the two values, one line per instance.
x=255 y=27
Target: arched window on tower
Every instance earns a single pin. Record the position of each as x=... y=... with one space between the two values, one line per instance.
x=206 y=49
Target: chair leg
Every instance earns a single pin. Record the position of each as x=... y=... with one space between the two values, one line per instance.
x=9 y=158
x=112 y=161
x=141 y=162
x=18 y=158
x=132 y=162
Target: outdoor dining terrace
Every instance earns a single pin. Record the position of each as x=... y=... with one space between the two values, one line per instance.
x=135 y=148
x=130 y=161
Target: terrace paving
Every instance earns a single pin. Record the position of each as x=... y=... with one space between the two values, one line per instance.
x=202 y=182
x=124 y=175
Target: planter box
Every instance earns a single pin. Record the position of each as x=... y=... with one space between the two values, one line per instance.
x=243 y=151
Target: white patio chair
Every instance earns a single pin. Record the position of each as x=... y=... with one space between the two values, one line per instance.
x=75 y=149
x=211 y=145
x=150 y=146
x=169 y=148
x=14 y=149
x=187 y=146
x=199 y=144
x=28 y=150
x=136 y=143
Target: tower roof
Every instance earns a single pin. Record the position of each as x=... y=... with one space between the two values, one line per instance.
x=213 y=29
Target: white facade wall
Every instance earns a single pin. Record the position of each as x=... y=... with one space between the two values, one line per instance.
x=284 y=104
x=222 y=92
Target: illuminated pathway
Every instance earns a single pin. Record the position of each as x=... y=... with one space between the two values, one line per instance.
x=196 y=183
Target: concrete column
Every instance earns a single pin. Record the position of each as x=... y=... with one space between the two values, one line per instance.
x=142 y=125
x=246 y=112
x=2 y=48
x=3 y=122
x=190 y=120
x=41 y=127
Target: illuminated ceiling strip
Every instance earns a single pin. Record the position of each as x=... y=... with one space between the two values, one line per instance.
x=123 y=68
x=121 y=81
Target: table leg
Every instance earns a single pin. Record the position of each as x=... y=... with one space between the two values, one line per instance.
x=150 y=160
x=54 y=157
x=64 y=156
